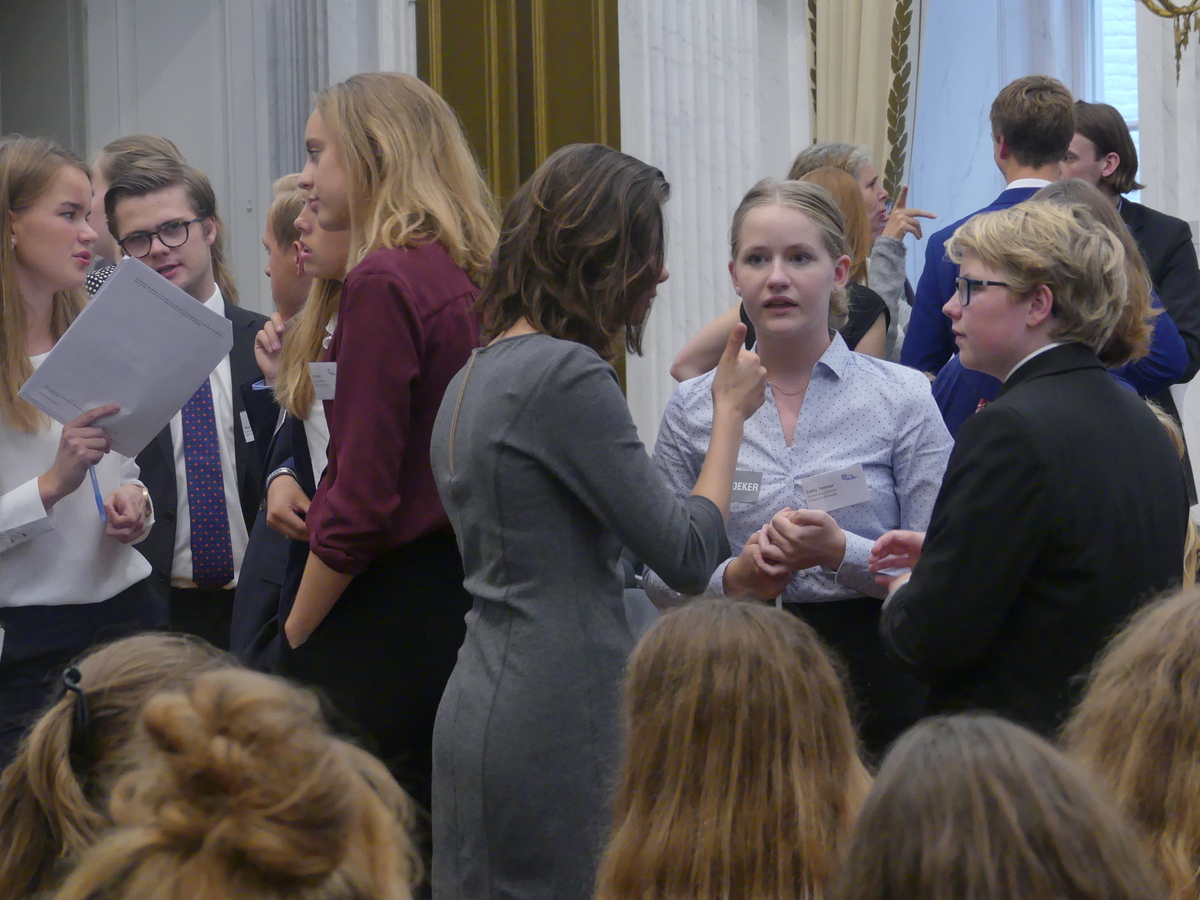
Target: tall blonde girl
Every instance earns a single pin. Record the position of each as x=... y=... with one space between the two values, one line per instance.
x=377 y=606
x=741 y=775
x=66 y=572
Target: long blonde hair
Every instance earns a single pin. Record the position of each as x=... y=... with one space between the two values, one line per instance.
x=27 y=166
x=245 y=793
x=304 y=343
x=1137 y=729
x=409 y=171
x=50 y=812
x=741 y=776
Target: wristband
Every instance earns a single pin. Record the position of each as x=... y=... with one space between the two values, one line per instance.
x=282 y=470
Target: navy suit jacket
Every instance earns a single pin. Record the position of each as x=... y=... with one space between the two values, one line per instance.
x=1062 y=510
x=157 y=460
x=928 y=342
x=1166 y=244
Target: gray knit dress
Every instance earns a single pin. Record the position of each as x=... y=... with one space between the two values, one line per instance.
x=540 y=468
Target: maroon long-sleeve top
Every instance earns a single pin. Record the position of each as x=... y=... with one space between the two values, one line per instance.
x=404 y=329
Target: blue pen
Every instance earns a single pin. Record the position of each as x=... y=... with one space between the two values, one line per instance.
x=96 y=491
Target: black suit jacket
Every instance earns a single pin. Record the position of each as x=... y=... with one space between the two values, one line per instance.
x=1166 y=243
x=1062 y=510
x=157 y=461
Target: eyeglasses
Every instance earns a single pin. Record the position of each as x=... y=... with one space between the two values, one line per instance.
x=965 y=285
x=172 y=234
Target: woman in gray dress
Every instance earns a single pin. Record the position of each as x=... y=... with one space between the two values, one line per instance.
x=539 y=466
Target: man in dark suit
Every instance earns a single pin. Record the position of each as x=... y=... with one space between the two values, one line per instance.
x=1033 y=119
x=1063 y=507
x=1102 y=153
x=202 y=472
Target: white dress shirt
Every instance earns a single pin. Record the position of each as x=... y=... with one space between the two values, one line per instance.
x=222 y=393
x=62 y=556
x=856 y=409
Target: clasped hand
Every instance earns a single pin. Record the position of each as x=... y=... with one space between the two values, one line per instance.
x=896 y=550
x=794 y=539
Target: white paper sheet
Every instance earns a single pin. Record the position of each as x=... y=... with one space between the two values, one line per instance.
x=141 y=343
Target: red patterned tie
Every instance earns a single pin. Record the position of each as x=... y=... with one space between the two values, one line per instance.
x=212 y=550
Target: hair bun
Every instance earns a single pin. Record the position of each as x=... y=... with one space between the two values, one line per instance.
x=246 y=771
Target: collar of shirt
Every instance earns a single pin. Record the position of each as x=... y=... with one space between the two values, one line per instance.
x=1037 y=352
x=1026 y=182
x=216 y=302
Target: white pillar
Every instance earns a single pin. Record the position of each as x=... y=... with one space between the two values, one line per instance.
x=714 y=93
x=1168 y=120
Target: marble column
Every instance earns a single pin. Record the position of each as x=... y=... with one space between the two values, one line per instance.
x=714 y=93
x=1168 y=120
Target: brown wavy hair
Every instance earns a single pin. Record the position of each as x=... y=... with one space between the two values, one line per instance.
x=409 y=171
x=581 y=249
x=27 y=166
x=49 y=812
x=159 y=173
x=245 y=793
x=117 y=156
x=972 y=807
x=741 y=776
x=286 y=204
x=1137 y=728
x=1106 y=128
x=304 y=343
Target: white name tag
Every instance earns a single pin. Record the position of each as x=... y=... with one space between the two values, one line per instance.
x=745 y=486
x=324 y=379
x=247 y=431
x=835 y=490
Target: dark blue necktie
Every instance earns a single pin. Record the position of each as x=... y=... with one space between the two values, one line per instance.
x=212 y=550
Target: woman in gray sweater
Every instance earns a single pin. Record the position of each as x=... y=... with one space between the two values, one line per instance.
x=539 y=466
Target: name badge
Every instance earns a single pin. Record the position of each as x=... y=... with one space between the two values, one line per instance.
x=835 y=490
x=745 y=486
x=324 y=379
x=247 y=431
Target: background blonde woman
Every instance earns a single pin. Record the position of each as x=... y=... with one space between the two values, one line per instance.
x=242 y=792
x=377 y=617
x=741 y=776
x=67 y=576
x=1137 y=729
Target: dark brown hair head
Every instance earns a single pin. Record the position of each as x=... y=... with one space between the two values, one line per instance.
x=1036 y=117
x=159 y=173
x=117 y=156
x=972 y=807
x=581 y=250
x=1105 y=127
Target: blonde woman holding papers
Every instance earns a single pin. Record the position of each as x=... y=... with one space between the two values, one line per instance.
x=66 y=578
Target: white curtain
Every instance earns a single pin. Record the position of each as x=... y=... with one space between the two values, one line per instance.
x=714 y=93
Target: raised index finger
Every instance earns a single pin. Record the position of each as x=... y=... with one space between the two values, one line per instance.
x=737 y=337
x=902 y=197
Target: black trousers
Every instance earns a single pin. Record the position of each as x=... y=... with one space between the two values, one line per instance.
x=203 y=612
x=41 y=641
x=886 y=699
x=384 y=653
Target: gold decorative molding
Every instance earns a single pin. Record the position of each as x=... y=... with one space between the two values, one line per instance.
x=898 y=96
x=1185 y=16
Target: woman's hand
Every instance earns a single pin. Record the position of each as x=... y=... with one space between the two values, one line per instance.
x=287 y=504
x=751 y=576
x=903 y=220
x=896 y=550
x=126 y=509
x=803 y=538
x=268 y=344
x=741 y=381
x=83 y=444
